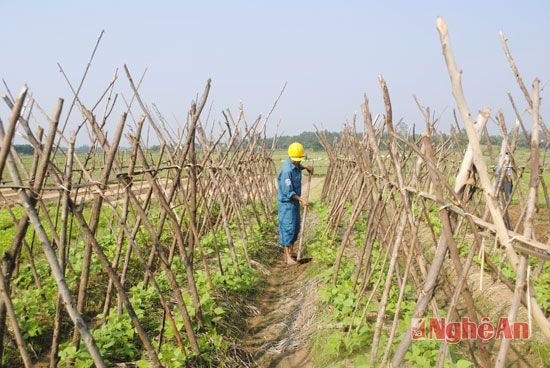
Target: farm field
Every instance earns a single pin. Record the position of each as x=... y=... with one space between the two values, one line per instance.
x=424 y=249
x=240 y=293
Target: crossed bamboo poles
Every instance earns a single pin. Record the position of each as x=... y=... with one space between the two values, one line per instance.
x=194 y=173
x=393 y=182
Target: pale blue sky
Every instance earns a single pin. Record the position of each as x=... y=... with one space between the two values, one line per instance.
x=329 y=52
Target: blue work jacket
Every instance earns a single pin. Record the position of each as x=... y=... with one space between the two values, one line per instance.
x=289 y=182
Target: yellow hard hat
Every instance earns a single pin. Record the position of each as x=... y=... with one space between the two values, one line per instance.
x=296 y=152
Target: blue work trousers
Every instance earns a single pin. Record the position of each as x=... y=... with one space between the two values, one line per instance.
x=289 y=222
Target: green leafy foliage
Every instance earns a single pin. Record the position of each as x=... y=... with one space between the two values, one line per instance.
x=7 y=228
x=541 y=285
x=116 y=336
x=115 y=340
x=241 y=280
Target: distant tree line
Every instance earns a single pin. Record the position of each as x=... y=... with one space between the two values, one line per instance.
x=27 y=149
x=495 y=140
x=24 y=149
x=309 y=141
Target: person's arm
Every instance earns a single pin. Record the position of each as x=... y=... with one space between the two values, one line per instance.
x=309 y=169
x=302 y=201
x=287 y=190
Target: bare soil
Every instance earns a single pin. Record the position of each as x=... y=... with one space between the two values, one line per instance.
x=541 y=222
x=113 y=192
x=278 y=335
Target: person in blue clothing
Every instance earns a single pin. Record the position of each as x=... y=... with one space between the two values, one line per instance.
x=289 y=198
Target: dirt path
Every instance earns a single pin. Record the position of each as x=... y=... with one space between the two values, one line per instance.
x=113 y=192
x=278 y=334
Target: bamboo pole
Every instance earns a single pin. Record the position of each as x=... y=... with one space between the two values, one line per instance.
x=62 y=250
x=10 y=130
x=13 y=322
x=301 y=240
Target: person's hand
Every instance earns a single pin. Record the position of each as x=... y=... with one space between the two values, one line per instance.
x=303 y=202
x=309 y=170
